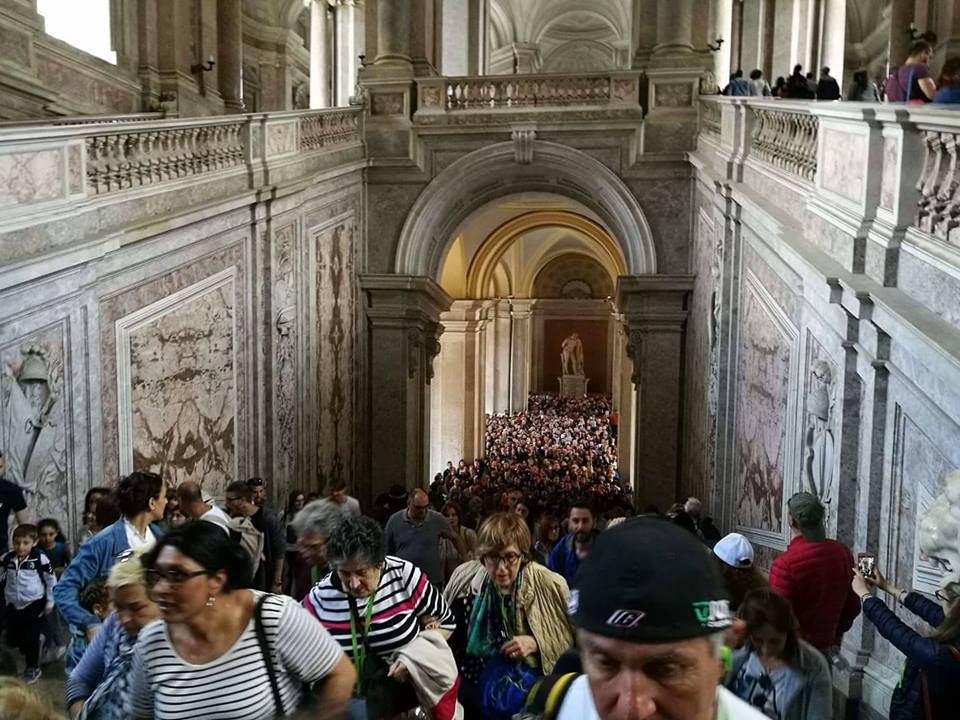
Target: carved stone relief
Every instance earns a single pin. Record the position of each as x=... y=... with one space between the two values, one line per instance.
x=33 y=420
x=177 y=385
x=763 y=374
x=673 y=95
x=286 y=335
x=820 y=417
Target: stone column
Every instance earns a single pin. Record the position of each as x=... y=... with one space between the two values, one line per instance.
x=500 y=366
x=834 y=38
x=393 y=33
x=230 y=54
x=349 y=29
x=644 y=31
x=526 y=58
x=901 y=15
x=722 y=28
x=403 y=313
x=319 y=56
x=479 y=18
x=674 y=28
x=654 y=313
x=522 y=355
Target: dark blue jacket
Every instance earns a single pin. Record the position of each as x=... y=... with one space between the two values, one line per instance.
x=936 y=659
x=948 y=95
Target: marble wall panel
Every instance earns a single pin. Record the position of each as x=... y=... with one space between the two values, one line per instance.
x=335 y=247
x=889 y=179
x=115 y=307
x=177 y=385
x=286 y=271
x=31 y=177
x=35 y=397
x=762 y=414
x=842 y=162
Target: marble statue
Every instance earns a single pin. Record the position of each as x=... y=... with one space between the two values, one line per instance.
x=819 y=441
x=571 y=355
x=34 y=435
x=939 y=533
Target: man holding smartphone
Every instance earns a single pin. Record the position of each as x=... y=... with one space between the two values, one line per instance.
x=814 y=574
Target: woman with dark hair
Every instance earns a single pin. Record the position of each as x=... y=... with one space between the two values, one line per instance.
x=781 y=675
x=863 y=89
x=293 y=567
x=385 y=614
x=949 y=91
x=911 y=82
x=547 y=533
x=141 y=498
x=449 y=557
x=931 y=674
x=91 y=499
x=242 y=653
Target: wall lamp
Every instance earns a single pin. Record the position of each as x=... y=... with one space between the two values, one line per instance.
x=203 y=67
x=715 y=47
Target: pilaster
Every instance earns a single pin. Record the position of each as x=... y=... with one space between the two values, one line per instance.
x=654 y=310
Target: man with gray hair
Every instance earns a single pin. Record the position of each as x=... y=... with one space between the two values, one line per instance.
x=312 y=525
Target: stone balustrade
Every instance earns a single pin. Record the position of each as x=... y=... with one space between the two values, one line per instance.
x=83 y=120
x=711 y=117
x=328 y=128
x=786 y=139
x=513 y=92
x=938 y=209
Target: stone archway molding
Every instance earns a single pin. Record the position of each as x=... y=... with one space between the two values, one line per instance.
x=493 y=172
x=487 y=257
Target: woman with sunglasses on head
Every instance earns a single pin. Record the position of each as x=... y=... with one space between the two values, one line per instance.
x=96 y=686
x=512 y=619
x=387 y=617
x=222 y=651
x=930 y=682
x=141 y=498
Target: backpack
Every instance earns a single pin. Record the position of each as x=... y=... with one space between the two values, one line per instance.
x=546 y=697
x=35 y=554
x=245 y=534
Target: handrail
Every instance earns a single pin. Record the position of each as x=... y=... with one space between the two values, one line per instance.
x=61 y=120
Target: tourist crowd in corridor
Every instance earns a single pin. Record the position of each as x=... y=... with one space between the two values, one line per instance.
x=522 y=585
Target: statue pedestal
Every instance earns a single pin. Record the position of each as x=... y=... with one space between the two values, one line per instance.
x=573 y=386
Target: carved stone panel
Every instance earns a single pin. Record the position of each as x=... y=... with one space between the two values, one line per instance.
x=177 y=385
x=843 y=161
x=673 y=95
x=335 y=308
x=888 y=182
x=34 y=413
x=762 y=396
x=821 y=403
x=31 y=177
x=285 y=355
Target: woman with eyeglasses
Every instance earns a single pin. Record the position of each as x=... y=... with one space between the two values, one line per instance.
x=141 y=498
x=222 y=651
x=387 y=618
x=930 y=682
x=512 y=619
x=775 y=671
x=96 y=686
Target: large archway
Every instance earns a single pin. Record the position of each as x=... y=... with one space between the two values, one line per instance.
x=512 y=168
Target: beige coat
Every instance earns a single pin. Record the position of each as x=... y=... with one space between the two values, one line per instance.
x=542 y=602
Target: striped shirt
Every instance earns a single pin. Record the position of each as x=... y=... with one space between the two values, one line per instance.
x=403 y=596
x=235 y=685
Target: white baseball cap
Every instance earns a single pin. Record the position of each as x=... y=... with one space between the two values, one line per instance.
x=735 y=550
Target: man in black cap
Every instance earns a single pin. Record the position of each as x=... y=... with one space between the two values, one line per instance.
x=814 y=574
x=651 y=612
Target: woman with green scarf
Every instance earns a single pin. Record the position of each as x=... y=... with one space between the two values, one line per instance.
x=512 y=622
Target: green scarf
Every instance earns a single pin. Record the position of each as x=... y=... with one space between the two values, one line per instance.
x=488 y=618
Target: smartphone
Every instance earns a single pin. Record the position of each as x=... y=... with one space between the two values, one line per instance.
x=867 y=564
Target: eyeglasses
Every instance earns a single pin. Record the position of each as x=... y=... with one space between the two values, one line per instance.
x=173 y=576
x=508 y=560
x=945 y=595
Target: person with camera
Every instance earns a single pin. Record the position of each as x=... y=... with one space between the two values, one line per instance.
x=930 y=683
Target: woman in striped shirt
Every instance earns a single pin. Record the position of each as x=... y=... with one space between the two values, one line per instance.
x=375 y=605
x=204 y=660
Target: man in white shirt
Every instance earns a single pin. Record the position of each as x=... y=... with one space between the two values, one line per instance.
x=338 y=497
x=651 y=612
x=197 y=507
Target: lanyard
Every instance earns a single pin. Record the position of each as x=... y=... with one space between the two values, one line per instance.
x=360 y=653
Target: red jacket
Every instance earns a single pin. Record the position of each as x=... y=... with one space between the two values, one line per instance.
x=815 y=577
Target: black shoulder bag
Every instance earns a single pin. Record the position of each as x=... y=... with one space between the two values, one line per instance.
x=267 y=655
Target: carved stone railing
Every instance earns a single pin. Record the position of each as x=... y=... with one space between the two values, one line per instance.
x=128 y=159
x=711 y=117
x=322 y=130
x=462 y=94
x=938 y=211
x=61 y=121
x=786 y=139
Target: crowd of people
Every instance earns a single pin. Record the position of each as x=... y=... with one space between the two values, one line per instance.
x=911 y=82
x=182 y=608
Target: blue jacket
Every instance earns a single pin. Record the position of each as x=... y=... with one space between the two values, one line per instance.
x=936 y=659
x=96 y=662
x=948 y=95
x=563 y=558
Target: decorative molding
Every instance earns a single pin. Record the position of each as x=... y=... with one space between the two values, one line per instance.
x=523 y=145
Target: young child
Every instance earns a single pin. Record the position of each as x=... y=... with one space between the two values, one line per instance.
x=53 y=545
x=28 y=580
x=94 y=598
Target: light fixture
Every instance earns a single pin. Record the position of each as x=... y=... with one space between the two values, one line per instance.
x=715 y=47
x=203 y=67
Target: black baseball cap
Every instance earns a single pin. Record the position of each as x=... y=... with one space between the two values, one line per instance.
x=649 y=580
